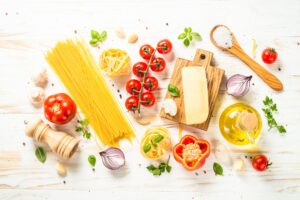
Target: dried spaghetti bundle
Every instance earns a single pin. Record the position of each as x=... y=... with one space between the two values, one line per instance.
x=75 y=66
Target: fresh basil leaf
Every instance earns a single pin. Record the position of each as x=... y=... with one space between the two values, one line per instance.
x=158 y=138
x=196 y=35
x=168 y=168
x=151 y=168
x=190 y=37
x=186 y=42
x=156 y=172
x=103 y=36
x=173 y=90
x=187 y=30
x=92 y=160
x=181 y=36
x=94 y=42
x=218 y=169
x=281 y=129
x=95 y=34
x=147 y=147
x=40 y=154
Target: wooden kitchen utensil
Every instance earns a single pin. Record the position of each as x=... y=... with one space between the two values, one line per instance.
x=59 y=142
x=236 y=50
x=214 y=77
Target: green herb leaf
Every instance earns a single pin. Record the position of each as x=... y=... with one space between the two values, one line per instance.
x=181 y=36
x=158 y=138
x=78 y=128
x=186 y=42
x=93 y=41
x=103 y=36
x=196 y=35
x=156 y=172
x=147 y=147
x=95 y=34
x=40 y=154
x=87 y=134
x=168 y=168
x=188 y=35
x=92 y=160
x=218 y=169
x=151 y=168
x=173 y=90
x=84 y=122
x=269 y=108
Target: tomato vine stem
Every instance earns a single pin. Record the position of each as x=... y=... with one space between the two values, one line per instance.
x=143 y=80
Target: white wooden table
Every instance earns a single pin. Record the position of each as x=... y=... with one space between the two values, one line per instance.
x=29 y=28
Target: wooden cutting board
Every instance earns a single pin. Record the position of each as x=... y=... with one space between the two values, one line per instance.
x=214 y=77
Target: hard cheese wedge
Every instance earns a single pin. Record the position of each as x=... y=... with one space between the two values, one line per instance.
x=195 y=94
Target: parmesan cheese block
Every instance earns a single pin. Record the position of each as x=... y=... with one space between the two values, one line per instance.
x=195 y=94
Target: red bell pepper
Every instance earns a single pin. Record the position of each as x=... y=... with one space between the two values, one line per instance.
x=191 y=152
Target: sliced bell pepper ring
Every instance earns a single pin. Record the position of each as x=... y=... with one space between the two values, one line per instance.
x=191 y=152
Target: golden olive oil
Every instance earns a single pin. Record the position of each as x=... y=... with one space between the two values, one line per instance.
x=233 y=121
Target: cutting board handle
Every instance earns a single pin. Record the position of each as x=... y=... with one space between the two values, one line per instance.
x=203 y=57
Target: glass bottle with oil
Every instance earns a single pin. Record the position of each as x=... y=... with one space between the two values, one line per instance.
x=240 y=124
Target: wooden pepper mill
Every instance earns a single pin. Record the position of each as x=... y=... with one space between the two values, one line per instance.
x=60 y=142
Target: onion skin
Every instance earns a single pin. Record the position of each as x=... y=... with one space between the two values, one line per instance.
x=238 y=85
x=113 y=158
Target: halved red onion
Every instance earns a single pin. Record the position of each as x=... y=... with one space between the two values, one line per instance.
x=113 y=158
x=238 y=85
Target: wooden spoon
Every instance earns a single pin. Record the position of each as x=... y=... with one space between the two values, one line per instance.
x=236 y=50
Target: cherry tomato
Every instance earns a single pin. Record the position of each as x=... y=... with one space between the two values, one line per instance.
x=146 y=51
x=148 y=99
x=133 y=86
x=139 y=69
x=260 y=163
x=269 y=56
x=164 y=46
x=150 y=83
x=59 y=108
x=158 y=64
x=131 y=103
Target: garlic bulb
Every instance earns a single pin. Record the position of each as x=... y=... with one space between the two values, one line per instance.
x=170 y=107
x=40 y=78
x=37 y=96
x=222 y=154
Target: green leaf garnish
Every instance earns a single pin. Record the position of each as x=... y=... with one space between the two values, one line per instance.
x=173 y=90
x=269 y=108
x=97 y=37
x=147 y=147
x=188 y=35
x=158 y=138
x=40 y=154
x=218 y=169
x=82 y=128
x=163 y=167
x=92 y=160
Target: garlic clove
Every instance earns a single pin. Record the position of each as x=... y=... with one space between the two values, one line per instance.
x=37 y=96
x=120 y=33
x=61 y=169
x=170 y=107
x=133 y=38
x=222 y=154
x=238 y=165
x=40 y=78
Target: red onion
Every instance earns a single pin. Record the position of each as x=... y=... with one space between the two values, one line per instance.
x=238 y=85
x=113 y=158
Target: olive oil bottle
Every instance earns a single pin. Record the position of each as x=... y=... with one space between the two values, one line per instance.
x=240 y=124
